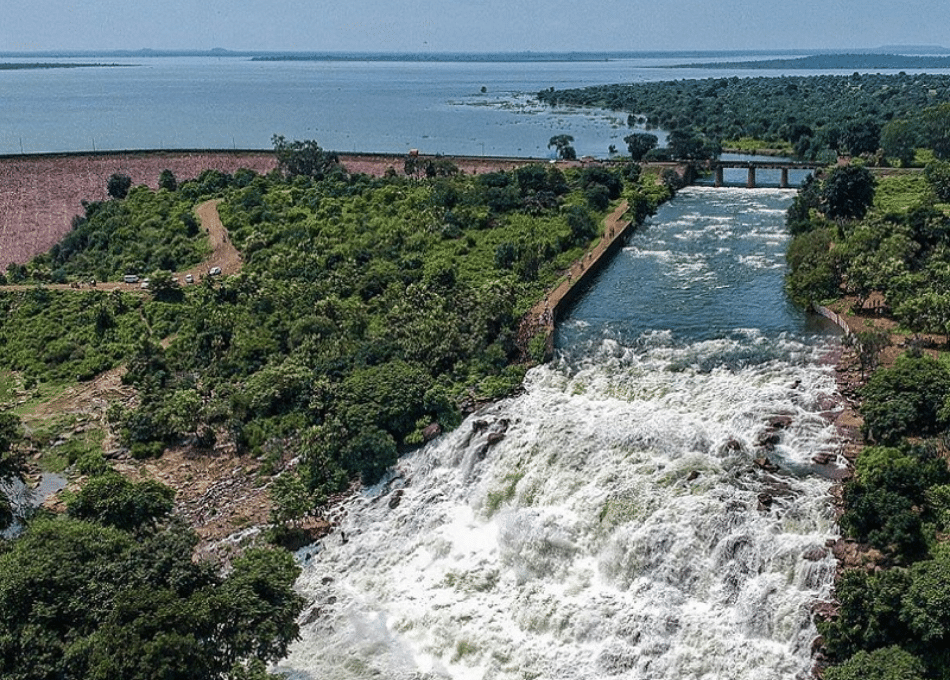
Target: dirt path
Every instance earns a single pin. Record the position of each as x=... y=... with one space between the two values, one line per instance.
x=223 y=256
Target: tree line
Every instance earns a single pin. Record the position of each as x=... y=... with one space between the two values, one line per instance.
x=811 y=117
x=888 y=239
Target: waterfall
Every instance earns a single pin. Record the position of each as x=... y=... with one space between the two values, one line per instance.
x=648 y=507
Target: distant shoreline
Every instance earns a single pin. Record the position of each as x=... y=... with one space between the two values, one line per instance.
x=818 y=62
x=12 y=66
x=787 y=55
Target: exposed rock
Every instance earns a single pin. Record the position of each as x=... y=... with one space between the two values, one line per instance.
x=766 y=464
x=312 y=615
x=692 y=475
x=815 y=554
x=479 y=425
x=431 y=431
x=495 y=437
x=765 y=502
x=780 y=422
x=732 y=445
x=396 y=499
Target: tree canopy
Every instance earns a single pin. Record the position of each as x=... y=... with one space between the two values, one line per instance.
x=79 y=599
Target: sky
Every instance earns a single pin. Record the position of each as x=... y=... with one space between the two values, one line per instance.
x=469 y=25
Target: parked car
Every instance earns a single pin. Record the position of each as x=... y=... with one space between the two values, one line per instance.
x=131 y=278
x=189 y=278
x=214 y=271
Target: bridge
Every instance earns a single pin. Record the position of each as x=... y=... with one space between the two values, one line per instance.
x=784 y=166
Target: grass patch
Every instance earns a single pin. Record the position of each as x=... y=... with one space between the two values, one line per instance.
x=753 y=144
x=59 y=445
x=900 y=193
x=40 y=393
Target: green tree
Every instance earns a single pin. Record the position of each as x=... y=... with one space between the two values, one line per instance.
x=869 y=614
x=935 y=130
x=938 y=176
x=905 y=398
x=290 y=498
x=899 y=140
x=847 y=192
x=888 y=663
x=639 y=144
x=167 y=180
x=306 y=158
x=861 y=137
x=564 y=146
x=164 y=287
x=10 y=464
x=870 y=343
x=926 y=604
x=119 y=185
x=113 y=500
x=82 y=600
x=688 y=146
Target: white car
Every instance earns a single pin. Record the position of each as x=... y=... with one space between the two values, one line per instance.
x=189 y=278
x=214 y=271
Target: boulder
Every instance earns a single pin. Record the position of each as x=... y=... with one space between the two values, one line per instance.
x=431 y=431
x=396 y=499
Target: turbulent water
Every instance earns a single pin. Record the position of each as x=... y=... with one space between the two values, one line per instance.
x=611 y=521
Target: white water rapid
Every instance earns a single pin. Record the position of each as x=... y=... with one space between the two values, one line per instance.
x=609 y=522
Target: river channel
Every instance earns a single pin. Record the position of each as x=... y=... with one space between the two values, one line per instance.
x=611 y=520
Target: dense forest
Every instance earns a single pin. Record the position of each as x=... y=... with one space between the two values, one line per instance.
x=880 y=247
x=813 y=117
x=367 y=310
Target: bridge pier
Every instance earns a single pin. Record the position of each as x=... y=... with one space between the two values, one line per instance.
x=783 y=182
x=750 y=181
x=719 y=179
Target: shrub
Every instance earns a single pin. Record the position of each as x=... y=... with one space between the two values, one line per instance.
x=905 y=399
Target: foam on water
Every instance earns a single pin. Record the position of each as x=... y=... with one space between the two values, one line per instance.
x=616 y=529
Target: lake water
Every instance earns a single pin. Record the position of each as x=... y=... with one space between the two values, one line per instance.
x=209 y=102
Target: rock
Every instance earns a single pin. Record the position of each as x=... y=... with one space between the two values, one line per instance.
x=692 y=475
x=431 y=431
x=766 y=464
x=767 y=439
x=765 y=502
x=815 y=554
x=732 y=445
x=396 y=499
x=479 y=425
x=311 y=615
x=780 y=422
x=495 y=437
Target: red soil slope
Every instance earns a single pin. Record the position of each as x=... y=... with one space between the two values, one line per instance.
x=39 y=195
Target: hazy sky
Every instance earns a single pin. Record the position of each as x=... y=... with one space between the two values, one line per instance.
x=469 y=25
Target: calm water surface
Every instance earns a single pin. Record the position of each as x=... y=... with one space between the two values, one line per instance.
x=208 y=102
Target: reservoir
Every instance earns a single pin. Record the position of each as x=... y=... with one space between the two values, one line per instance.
x=647 y=508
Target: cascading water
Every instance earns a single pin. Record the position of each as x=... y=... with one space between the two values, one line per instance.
x=647 y=508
